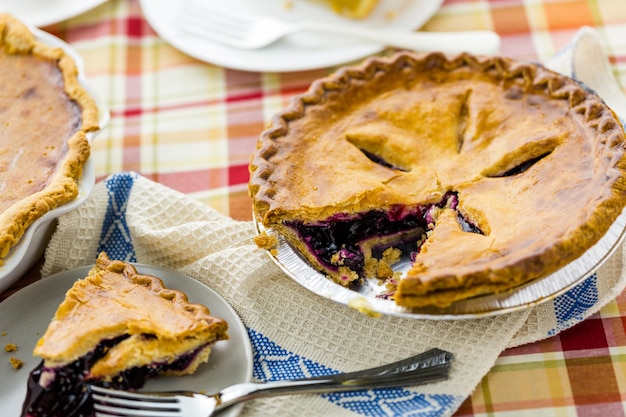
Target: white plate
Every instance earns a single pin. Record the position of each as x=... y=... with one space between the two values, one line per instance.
x=46 y=12
x=32 y=244
x=296 y=52
x=26 y=314
x=527 y=296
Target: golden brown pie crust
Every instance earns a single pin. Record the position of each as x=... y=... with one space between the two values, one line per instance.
x=113 y=300
x=44 y=116
x=449 y=124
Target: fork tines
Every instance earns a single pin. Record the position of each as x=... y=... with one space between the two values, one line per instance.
x=212 y=21
x=109 y=402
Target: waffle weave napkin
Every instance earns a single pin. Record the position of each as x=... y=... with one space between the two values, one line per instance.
x=295 y=333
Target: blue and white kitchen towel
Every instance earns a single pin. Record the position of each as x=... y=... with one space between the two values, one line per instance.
x=295 y=333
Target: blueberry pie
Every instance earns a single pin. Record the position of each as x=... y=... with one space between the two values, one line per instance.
x=481 y=173
x=116 y=328
x=44 y=117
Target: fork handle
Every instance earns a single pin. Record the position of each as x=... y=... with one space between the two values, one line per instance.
x=427 y=367
x=477 y=42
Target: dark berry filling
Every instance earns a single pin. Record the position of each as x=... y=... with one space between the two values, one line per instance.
x=68 y=394
x=340 y=239
x=380 y=161
x=524 y=166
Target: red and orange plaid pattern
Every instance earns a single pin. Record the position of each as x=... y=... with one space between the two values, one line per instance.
x=580 y=372
x=192 y=126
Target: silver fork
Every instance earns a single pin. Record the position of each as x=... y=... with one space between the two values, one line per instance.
x=427 y=367
x=212 y=21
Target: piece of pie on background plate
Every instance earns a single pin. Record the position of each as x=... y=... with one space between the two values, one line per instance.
x=355 y=9
x=116 y=328
x=45 y=115
x=483 y=173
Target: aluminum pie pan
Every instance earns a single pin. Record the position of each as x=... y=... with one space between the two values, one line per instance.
x=520 y=298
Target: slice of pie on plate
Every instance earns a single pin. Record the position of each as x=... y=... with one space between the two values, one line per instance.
x=483 y=173
x=355 y=9
x=116 y=328
x=45 y=115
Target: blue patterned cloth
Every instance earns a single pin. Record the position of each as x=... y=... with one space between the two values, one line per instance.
x=572 y=307
x=271 y=361
x=274 y=362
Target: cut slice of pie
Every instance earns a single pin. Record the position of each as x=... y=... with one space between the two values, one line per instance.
x=482 y=173
x=355 y=9
x=116 y=328
x=45 y=115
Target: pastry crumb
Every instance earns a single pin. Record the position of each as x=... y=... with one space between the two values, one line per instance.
x=392 y=255
x=391 y=284
x=265 y=241
x=4 y=333
x=371 y=267
x=382 y=268
x=361 y=305
x=16 y=363
x=10 y=347
x=347 y=275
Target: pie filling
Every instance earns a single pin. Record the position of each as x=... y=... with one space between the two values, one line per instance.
x=45 y=118
x=64 y=391
x=350 y=240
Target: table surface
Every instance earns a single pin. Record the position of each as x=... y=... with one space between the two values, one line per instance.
x=192 y=126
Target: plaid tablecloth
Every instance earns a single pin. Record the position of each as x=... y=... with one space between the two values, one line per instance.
x=192 y=126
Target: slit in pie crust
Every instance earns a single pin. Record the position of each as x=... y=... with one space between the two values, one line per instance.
x=45 y=115
x=116 y=328
x=485 y=172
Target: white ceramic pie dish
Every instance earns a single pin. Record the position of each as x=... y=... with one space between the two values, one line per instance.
x=32 y=244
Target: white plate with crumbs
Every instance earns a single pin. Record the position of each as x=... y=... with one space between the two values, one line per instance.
x=47 y=12
x=296 y=52
x=25 y=315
